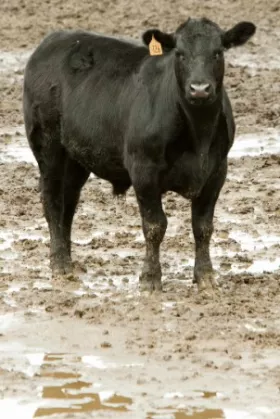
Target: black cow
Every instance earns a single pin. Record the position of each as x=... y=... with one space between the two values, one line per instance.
x=159 y=123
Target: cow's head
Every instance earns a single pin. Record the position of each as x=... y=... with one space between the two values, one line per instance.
x=198 y=46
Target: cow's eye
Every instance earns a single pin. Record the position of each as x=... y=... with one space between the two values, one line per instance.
x=218 y=54
x=180 y=55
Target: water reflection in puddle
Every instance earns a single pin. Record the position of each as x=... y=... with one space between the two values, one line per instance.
x=246 y=242
x=171 y=413
x=264 y=60
x=13 y=61
x=42 y=285
x=256 y=144
x=18 y=153
x=183 y=414
x=99 y=363
x=14 y=146
x=264 y=265
x=65 y=391
x=259 y=266
x=65 y=385
x=8 y=321
x=250 y=243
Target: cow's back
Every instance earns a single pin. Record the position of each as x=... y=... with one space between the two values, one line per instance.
x=82 y=83
x=75 y=56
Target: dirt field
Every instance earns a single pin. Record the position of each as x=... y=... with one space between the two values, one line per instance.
x=95 y=347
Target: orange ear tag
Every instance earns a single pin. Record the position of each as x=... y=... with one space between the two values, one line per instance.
x=155 y=47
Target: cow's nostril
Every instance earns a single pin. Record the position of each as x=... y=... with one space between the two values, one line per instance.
x=200 y=89
x=207 y=88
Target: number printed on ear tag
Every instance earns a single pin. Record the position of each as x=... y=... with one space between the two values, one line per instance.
x=155 y=47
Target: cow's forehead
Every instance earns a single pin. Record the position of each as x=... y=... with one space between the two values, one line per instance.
x=194 y=28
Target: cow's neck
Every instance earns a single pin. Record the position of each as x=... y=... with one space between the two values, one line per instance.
x=202 y=124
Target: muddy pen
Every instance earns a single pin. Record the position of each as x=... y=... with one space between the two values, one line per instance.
x=162 y=299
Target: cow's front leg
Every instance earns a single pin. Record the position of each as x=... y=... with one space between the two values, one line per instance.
x=202 y=223
x=154 y=223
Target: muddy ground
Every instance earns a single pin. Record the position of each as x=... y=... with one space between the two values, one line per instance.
x=95 y=347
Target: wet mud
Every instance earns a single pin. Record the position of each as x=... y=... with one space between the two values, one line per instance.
x=90 y=345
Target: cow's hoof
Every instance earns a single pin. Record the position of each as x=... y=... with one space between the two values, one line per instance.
x=208 y=283
x=61 y=269
x=146 y=287
x=78 y=267
x=149 y=284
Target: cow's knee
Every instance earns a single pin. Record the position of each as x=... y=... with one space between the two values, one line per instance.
x=154 y=231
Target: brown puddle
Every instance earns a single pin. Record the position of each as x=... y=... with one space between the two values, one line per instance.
x=209 y=394
x=194 y=414
x=54 y=357
x=95 y=402
x=76 y=394
x=60 y=375
x=181 y=414
x=206 y=394
x=66 y=390
x=72 y=392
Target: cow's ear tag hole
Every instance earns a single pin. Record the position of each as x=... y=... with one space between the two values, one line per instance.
x=155 y=47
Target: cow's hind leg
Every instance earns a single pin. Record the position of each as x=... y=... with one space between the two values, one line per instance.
x=154 y=223
x=44 y=139
x=61 y=182
x=52 y=193
x=74 y=179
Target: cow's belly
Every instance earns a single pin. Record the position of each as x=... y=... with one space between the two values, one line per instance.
x=100 y=155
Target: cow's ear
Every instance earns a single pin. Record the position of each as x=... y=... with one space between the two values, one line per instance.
x=238 y=35
x=166 y=40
